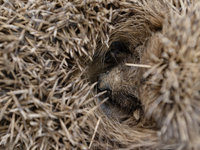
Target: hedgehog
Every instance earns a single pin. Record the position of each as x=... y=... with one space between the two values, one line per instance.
x=110 y=74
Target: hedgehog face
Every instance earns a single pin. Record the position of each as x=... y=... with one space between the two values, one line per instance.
x=126 y=44
x=120 y=81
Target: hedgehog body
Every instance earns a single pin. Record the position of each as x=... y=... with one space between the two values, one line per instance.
x=52 y=54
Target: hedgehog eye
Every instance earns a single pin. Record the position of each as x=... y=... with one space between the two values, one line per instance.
x=111 y=57
x=117 y=53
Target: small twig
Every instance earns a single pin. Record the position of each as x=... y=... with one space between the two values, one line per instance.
x=138 y=65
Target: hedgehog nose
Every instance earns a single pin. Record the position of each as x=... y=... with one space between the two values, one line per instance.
x=103 y=83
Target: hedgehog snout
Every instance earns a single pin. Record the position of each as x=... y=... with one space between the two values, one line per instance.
x=103 y=84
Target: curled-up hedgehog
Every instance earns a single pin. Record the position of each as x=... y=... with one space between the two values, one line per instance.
x=110 y=74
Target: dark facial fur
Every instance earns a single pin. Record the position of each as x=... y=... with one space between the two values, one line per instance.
x=121 y=82
x=118 y=82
